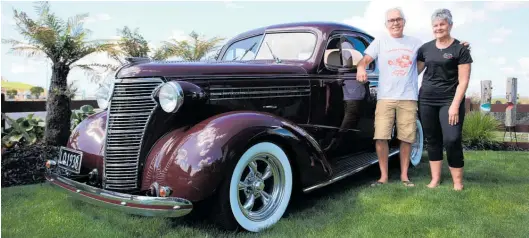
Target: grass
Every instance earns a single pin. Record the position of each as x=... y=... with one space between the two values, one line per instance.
x=16 y=85
x=495 y=203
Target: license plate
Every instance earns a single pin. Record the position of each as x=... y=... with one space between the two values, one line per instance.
x=70 y=159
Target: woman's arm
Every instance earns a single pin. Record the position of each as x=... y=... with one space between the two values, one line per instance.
x=420 y=66
x=464 y=77
x=464 y=68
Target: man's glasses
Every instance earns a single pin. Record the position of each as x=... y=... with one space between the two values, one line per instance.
x=394 y=20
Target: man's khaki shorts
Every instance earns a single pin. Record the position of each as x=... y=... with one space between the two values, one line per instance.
x=406 y=114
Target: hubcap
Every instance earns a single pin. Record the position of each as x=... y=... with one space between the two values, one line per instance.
x=416 y=147
x=261 y=187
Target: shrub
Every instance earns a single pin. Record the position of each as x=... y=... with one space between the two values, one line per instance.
x=24 y=130
x=80 y=115
x=478 y=129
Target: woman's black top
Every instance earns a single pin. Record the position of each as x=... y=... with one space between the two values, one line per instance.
x=440 y=80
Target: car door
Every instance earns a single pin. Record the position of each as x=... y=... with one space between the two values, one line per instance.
x=366 y=127
x=343 y=116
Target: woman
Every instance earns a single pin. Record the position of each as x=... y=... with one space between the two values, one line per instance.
x=441 y=97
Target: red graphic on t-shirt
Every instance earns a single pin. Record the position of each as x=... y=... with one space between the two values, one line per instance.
x=402 y=62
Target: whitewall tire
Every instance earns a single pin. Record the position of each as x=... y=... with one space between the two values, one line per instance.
x=260 y=187
x=417 y=147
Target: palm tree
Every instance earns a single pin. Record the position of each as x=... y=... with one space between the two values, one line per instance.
x=64 y=43
x=191 y=50
x=133 y=44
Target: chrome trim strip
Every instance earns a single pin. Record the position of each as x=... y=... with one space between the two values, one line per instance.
x=338 y=178
x=225 y=93
x=151 y=206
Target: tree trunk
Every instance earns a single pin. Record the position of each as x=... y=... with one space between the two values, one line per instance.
x=58 y=107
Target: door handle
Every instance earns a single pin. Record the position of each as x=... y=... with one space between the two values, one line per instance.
x=270 y=107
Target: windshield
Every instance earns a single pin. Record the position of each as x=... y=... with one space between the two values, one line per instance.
x=285 y=46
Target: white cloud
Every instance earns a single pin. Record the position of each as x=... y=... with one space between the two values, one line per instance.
x=230 y=4
x=417 y=13
x=504 y=5
x=524 y=63
x=508 y=70
x=17 y=68
x=499 y=60
x=499 y=35
x=98 y=17
x=179 y=35
x=524 y=66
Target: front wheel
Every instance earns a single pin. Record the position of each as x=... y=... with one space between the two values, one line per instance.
x=259 y=189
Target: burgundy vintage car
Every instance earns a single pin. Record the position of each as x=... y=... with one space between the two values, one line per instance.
x=278 y=111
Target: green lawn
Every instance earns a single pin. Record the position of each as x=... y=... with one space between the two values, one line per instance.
x=495 y=203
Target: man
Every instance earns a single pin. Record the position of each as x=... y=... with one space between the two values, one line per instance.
x=397 y=91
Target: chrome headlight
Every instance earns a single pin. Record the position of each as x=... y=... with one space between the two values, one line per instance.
x=104 y=91
x=171 y=96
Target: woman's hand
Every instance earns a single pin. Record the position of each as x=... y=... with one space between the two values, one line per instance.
x=453 y=115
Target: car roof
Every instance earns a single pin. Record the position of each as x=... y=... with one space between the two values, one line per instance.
x=318 y=26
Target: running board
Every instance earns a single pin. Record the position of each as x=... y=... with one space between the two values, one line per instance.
x=348 y=166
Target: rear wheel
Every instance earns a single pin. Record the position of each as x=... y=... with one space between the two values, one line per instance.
x=259 y=189
x=418 y=146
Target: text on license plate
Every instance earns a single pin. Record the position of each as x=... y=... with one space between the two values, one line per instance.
x=70 y=159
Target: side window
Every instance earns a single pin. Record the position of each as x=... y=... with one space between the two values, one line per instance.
x=359 y=45
x=247 y=48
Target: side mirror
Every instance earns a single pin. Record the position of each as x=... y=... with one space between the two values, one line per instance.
x=351 y=58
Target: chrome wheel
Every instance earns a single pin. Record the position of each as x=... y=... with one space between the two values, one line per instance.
x=260 y=186
x=417 y=147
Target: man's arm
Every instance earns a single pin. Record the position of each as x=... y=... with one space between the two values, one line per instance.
x=364 y=62
x=370 y=53
x=361 y=74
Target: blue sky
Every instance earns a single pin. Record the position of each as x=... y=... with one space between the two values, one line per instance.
x=497 y=30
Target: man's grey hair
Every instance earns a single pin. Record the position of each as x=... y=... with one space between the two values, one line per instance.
x=442 y=14
x=395 y=9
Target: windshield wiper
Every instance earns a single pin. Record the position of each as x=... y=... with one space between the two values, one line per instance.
x=275 y=57
x=248 y=50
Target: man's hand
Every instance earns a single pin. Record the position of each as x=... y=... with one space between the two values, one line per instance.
x=361 y=75
x=453 y=115
x=466 y=44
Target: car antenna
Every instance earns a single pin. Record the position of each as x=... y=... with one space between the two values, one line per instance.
x=275 y=57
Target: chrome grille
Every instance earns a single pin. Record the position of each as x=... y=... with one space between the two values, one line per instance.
x=128 y=113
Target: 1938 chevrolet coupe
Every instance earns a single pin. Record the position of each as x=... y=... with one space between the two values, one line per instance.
x=278 y=111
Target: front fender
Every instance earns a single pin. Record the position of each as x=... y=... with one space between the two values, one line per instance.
x=89 y=137
x=193 y=161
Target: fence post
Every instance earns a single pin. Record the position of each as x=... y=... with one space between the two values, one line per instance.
x=486 y=95
x=3 y=120
x=512 y=94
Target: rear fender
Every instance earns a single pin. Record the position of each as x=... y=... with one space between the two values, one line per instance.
x=193 y=161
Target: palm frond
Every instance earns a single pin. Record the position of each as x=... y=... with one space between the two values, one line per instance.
x=74 y=27
x=28 y=51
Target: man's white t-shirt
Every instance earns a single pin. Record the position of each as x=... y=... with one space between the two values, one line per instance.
x=397 y=65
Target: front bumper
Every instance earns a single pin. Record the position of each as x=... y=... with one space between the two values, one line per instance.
x=131 y=204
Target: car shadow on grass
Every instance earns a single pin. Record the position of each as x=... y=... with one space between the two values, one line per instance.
x=304 y=203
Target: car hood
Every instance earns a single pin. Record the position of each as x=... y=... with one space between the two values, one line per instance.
x=216 y=68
